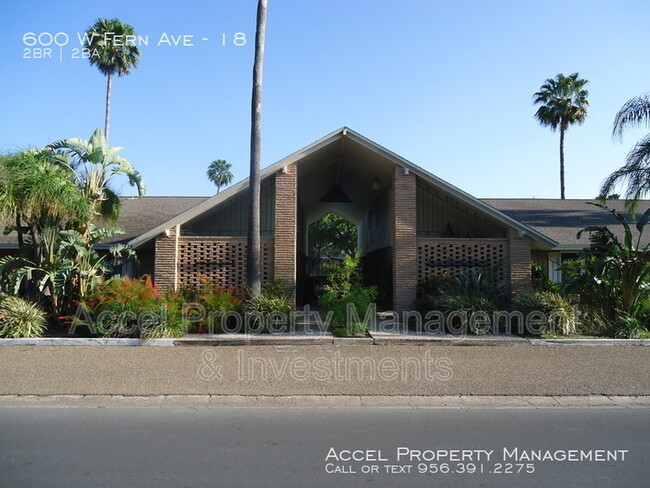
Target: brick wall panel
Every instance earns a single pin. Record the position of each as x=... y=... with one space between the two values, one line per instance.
x=405 y=263
x=220 y=259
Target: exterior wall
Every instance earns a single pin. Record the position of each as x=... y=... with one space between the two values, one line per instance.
x=376 y=226
x=230 y=218
x=540 y=257
x=166 y=260
x=220 y=259
x=405 y=263
x=442 y=215
x=286 y=225
x=519 y=259
x=440 y=256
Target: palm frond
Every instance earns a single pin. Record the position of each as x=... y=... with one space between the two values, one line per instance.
x=635 y=112
x=635 y=172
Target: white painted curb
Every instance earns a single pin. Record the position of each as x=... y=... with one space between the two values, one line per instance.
x=223 y=340
x=80 y=341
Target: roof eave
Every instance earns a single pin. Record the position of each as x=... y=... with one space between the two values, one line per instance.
x=337 y=134
x=234 y=189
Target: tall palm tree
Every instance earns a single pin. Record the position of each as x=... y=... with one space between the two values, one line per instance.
x=636 y=170
x=253 y=257
x=109 y=51
x=219 y=173
x=563 y=102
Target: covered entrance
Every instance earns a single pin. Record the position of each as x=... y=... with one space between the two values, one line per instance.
x=348 y=180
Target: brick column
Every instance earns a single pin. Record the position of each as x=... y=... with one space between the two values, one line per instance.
x=286 y=229
x=404 y=240
x=166 y=260
x=519 y=263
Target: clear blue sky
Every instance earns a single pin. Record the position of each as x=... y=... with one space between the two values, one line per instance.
x=447 y=85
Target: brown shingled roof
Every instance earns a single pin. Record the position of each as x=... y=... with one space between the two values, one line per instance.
x=561 y=220
x=137 y=216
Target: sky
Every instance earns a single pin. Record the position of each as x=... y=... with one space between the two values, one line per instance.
x=447 y=85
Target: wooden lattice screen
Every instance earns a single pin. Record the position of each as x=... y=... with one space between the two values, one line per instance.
x=221 y=259
x=450 y=256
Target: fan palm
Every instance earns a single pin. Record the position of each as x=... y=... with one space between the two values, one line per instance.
x=636 y=171
x=112 y=54
x=563 y=102
x=219 y=173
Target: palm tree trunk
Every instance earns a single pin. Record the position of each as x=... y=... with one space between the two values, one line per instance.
x=254 y=247
x=21 y=241
x=109 y=83
x=562 y=130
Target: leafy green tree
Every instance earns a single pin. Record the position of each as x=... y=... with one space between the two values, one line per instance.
x=37 y=196
x=93 y=164
x=563 y=102
x=51 y=198
x=253 y=258
x=112 y=53
x=39 y=199
x=332 y=235
x=623 y=268
x=636 y=170
x=219 y=173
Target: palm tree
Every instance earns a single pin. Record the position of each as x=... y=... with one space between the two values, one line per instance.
x=253 y=242
x=563 y=102
x=219 y=173
x=636 y=170
x=112 y=54
x=93 y=164
x=38 y=200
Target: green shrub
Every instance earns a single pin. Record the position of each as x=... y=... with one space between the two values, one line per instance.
x=469 y=292
x=558 y=311
x=540 y=279
x=644 y=310
x=354 y=329
x=21 y=318
x=627 y=327
x=261 y=307
x=597 y=293
x=278 y=288
x=357 y=296
x=591 y=321
x=344 y=289
x=428 y=288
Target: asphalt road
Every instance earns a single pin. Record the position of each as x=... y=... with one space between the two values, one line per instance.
x=326 y=370
x=72 y=447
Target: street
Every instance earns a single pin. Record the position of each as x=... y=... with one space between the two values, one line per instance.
x=164 y=447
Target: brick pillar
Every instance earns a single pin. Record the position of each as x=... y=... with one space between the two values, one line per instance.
x=286 y=220
x=404 y=240
x=519 y=263
x=166 y=260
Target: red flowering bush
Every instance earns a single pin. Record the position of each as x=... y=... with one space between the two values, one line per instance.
x=126 y=307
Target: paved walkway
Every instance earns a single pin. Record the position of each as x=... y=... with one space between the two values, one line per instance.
x=352 y=370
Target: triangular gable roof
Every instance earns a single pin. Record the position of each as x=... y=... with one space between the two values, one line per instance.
x=371 y=145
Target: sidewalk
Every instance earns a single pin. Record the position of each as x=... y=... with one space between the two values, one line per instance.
x=361 y=370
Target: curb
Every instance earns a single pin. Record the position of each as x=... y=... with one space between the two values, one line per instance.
x=306 y=340
x=323 y=402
